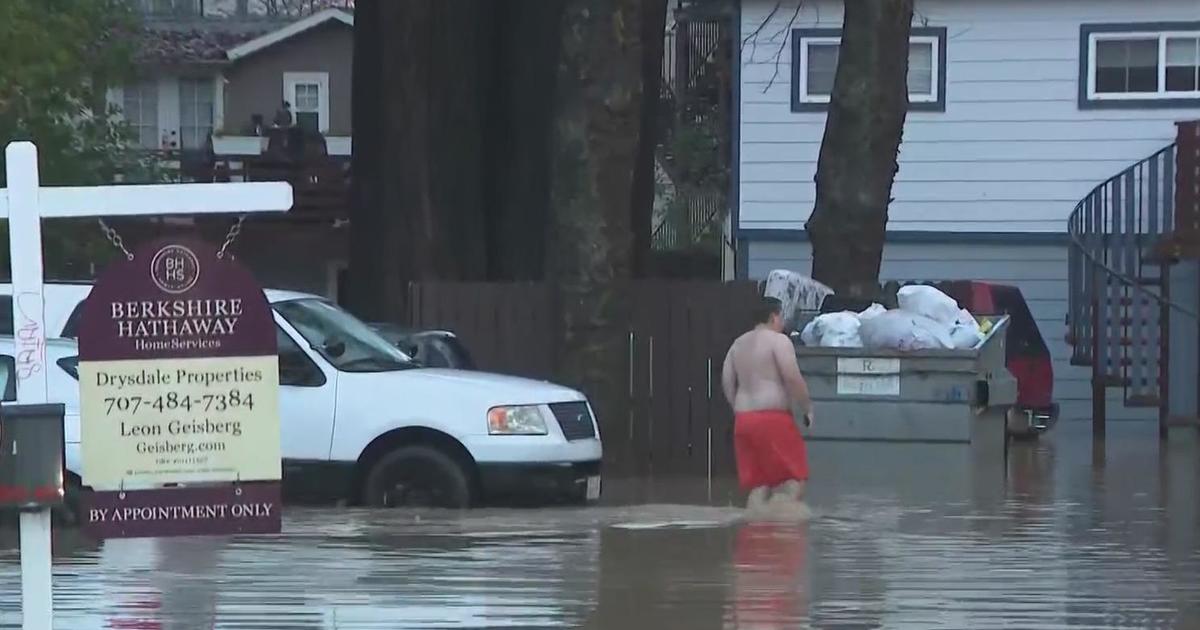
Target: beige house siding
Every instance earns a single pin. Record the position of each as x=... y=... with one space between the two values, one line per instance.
x=255 y=83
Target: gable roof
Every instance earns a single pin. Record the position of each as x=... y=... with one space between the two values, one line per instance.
x=291 y=30
x=197 y=42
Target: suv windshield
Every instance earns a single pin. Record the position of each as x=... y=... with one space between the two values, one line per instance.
x=347 y=343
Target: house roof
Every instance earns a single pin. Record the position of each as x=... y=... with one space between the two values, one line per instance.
x=267 y=40
x=208 y=40
x=197 y=40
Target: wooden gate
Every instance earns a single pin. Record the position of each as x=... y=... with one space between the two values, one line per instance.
x=675 y=419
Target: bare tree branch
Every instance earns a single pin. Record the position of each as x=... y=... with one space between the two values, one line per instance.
x=780 y=36
x=783 y=44
x=752 y=38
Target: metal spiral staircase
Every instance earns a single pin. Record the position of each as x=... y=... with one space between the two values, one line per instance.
x=1125 y=237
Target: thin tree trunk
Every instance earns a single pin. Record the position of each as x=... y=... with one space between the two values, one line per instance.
x=596 y=127
x=858 y=160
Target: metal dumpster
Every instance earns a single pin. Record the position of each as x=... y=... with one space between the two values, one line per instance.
x=951 y=396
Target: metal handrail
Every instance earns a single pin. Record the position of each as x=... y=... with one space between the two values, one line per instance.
x=1076 y=218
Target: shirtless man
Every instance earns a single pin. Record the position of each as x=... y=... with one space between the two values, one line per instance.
x=761 y=379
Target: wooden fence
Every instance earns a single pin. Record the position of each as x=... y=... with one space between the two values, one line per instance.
x=674 y=419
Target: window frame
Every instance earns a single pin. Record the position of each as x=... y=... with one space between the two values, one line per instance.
x=1090 y=34
x=321 y=79
x=141 y=87
x=205 y=83
x=802 y=37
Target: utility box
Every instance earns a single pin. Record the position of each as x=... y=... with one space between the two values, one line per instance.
x=31 y=455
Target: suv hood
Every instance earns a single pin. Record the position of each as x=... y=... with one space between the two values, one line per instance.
x=498 y=389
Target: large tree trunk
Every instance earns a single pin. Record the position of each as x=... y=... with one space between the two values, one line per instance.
x=596 y=126
x=858 y=163
x=654 y=24
x=520 y=114
x=417 y=199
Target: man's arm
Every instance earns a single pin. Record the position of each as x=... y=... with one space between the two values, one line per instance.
x=789 y=370
x=729 y=378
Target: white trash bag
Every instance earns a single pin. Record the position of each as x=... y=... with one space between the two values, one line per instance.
x=833 y=330
x=873 y=310
x=928 y=301
x=809 y=334
x=796 y=291
x=902 y=330
x=838 y=330
x=965 y=333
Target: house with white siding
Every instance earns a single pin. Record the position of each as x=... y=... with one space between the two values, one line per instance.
x=1018 y=109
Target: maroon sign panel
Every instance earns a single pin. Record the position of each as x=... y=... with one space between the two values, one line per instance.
x=175 y=299
x=250 y=508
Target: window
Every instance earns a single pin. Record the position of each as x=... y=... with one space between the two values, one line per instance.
x=140 y=108
x=814 y=64
x=1139 y=65
x=308 y=93
x=70 y=365
x=195 y=112
x=295 y=368
x=8 y=372
x=344 y=340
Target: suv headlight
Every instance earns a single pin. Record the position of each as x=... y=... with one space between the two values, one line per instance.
x=516 y=420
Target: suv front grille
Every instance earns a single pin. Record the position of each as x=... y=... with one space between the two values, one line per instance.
x=574 y=419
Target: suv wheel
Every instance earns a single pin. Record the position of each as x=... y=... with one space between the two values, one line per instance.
x=417 y=476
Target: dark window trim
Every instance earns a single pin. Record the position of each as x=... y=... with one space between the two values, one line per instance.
x=10 y=386
x=1085 y=33
x=800 y=34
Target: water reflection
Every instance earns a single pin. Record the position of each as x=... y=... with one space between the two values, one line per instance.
x=770 y=584
x=1067 y=534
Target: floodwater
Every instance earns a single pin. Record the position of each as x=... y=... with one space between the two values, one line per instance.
x=903 y=536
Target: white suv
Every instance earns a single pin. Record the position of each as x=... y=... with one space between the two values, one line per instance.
x=363 y=422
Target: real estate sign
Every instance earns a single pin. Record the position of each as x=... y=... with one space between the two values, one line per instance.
x=178 y=371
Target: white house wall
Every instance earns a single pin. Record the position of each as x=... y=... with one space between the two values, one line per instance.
x=1012 y=151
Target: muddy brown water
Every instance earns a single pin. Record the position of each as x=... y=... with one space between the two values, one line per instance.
x=903 y=536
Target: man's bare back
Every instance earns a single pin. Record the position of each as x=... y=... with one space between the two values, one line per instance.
x=761 y=372
x=761 y=380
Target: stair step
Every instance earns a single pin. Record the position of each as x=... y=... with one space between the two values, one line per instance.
x=1119 y=381
x=1126 y=301
x=1143 y=400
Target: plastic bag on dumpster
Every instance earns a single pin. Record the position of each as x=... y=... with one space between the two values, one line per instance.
x=838 y=330
x=966 y=332
x=929 y=302
x=833 y=330
x=903 y=330
x=796 y=291
x=872 y=311
x=809 y=334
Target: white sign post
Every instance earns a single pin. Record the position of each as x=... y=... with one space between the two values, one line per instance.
x=25 y=203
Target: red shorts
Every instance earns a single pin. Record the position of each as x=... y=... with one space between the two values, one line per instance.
x=769 y=448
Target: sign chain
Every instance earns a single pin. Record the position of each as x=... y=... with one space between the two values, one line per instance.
x=234 y=231
x=119 y=243
x=115 y=238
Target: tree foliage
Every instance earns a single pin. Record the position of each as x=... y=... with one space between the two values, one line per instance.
x=59 y=55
